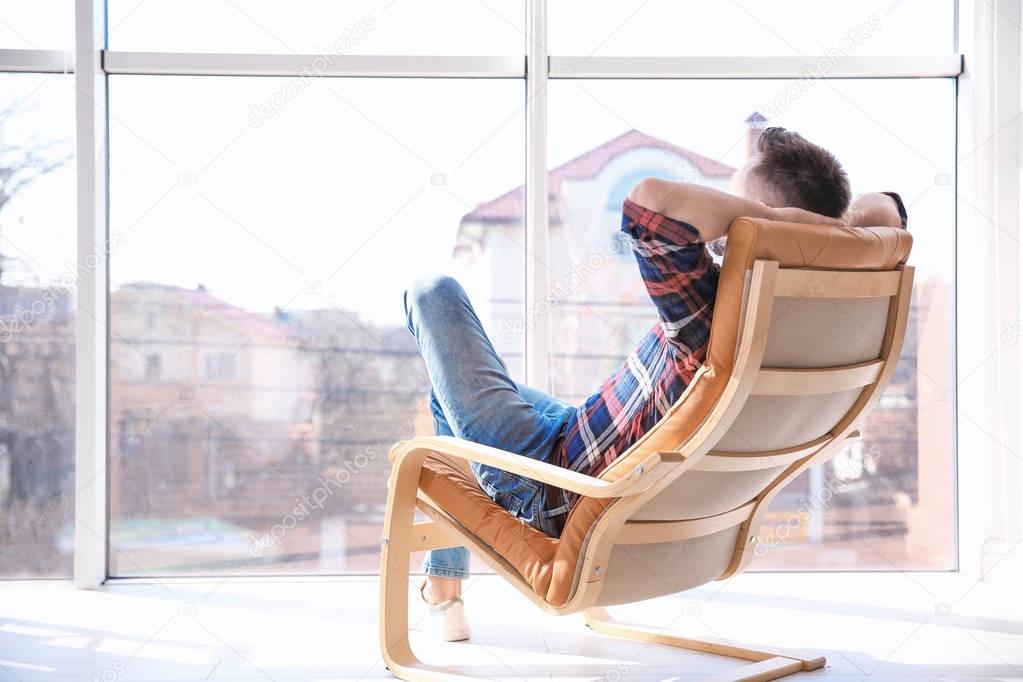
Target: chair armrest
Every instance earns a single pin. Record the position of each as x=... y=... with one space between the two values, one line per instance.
x=638 y=480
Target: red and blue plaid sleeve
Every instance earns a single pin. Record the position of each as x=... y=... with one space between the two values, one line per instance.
x=679 y=274
x=681 y=278
x=901 y=207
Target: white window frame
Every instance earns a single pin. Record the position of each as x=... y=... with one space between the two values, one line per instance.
x=988 y=101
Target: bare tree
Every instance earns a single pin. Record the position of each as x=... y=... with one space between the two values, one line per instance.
x=23 y=162
x=36 y=408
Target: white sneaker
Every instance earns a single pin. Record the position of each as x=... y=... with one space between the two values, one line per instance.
x=447 y=618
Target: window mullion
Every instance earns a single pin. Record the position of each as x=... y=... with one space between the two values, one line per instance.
x=91 y=528
x=538 y=327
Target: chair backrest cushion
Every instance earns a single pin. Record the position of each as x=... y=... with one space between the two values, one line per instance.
x=857 y=330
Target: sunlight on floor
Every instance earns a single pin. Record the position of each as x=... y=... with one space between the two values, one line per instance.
x=877 y=627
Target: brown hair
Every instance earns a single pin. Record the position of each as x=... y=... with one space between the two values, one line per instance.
x=800 y=173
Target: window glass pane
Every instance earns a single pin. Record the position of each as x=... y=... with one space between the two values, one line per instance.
x=881 y=501
x=37 y=25
x=261 y=364
x=448 y=27
x=751 y=27
x=37 y=298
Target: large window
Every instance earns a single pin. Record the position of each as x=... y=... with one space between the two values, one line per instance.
x=260 y=363
x=38 y=281
x=279 y=173
x=751 y=27
x=357 y=27
x=874 y=505
x=37 y=25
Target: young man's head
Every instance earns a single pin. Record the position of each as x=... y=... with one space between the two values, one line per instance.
x=789 y=170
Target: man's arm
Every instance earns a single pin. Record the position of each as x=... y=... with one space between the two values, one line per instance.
x=711 y=211
x=876 y=209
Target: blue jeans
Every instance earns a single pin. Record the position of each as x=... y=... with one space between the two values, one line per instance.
x=473 y=397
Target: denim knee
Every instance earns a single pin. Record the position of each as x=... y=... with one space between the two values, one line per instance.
x=432 y=288
x=432 y=291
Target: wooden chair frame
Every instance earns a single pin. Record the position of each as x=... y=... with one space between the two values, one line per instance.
x=402 y=535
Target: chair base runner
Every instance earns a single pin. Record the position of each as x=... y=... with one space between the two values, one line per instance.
x=767 y=665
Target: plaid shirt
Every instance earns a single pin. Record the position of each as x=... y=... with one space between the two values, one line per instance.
x=682 y=279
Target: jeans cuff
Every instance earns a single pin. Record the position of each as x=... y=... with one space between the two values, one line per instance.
x=445 y=572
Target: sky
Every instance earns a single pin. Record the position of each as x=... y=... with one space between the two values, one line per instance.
x=280 y=192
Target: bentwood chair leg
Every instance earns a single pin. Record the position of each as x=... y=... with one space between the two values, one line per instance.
x=766 y=665
x=396 y=553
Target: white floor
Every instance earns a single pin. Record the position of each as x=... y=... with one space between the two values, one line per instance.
x=871 y=627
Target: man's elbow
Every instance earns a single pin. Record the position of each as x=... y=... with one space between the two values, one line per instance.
x=651 y=193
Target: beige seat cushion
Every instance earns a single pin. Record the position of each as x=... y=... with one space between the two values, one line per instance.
x=453 y=488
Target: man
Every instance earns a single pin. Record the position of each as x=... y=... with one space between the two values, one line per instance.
x=669 y=225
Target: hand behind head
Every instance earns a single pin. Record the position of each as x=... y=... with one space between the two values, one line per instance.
x=792 y=214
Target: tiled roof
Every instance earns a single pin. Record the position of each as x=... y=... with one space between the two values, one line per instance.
x=264 y=325
x=509 y=206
